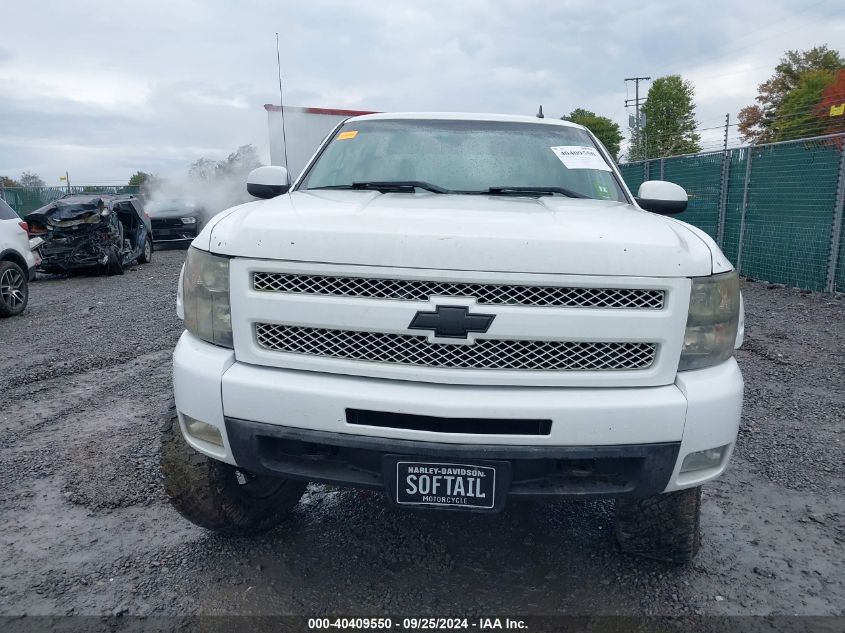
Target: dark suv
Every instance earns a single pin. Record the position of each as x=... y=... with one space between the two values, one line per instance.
x=175 y=221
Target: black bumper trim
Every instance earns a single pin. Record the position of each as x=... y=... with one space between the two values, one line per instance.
x=356 y=460
x=189 y=238
x=473 y=426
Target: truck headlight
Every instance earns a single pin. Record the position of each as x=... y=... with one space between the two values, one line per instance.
x=712 y=321
x=188 y=220
x=205 y=297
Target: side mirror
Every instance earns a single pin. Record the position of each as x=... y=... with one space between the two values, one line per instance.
x=659 y=196
x=267 y=182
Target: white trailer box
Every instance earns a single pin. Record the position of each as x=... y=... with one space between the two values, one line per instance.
x=304 y=129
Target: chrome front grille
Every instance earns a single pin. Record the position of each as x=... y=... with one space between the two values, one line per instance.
x=486 y=294
x=491 y=354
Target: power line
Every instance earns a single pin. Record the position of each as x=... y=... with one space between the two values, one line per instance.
x=767 y=119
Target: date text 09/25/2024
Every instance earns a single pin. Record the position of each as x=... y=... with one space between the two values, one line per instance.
x=421 y=624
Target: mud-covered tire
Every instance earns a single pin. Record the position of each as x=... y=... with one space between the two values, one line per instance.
x=14 y=289
x=664 y=527
x=146 y=255
x=220 y=497
x=114 y=266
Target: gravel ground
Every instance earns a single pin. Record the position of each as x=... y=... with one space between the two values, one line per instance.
x=85 y=529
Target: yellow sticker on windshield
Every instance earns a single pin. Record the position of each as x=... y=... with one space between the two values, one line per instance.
x=345 y=135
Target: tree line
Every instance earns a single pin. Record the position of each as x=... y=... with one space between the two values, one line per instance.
x=669 y=129
x=26 y=179
x=804 y=97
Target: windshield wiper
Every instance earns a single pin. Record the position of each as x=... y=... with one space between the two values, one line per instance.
x=534 y=191
x=390 y=186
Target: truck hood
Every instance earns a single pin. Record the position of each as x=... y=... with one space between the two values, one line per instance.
x=461 y=232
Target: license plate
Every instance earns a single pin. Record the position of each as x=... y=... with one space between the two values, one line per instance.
x=450 y=485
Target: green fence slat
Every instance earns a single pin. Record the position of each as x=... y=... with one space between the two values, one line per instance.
x=790 y=206
x=791 y=201
x=839 y=279
x=632 y=174
x=733 y=205
x=701 y=177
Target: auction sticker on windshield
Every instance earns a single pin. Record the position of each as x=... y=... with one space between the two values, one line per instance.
x=580 y=157
x=453 y=485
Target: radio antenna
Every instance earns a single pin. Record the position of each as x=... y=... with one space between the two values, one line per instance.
x=282 y=105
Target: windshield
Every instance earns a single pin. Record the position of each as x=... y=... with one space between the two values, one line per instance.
x=465 y=157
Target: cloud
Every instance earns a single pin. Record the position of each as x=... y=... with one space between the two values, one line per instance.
x=103 y=89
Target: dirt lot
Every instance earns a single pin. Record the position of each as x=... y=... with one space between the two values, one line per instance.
x=84 y=528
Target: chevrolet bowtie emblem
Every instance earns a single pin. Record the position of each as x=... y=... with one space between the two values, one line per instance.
x=451 y=322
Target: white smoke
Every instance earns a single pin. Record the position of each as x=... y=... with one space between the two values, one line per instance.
x=208 y=197
x=211 y=186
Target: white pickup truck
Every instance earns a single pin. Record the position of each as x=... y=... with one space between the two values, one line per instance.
x=456 y=309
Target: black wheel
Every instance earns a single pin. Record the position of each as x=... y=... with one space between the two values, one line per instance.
x=14 y=289
x=114 y=266
x=146 y=255
x=664 y=527
x=220 y=497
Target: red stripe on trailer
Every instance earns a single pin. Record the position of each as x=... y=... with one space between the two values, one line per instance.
x=335 y=112
x=330 y=111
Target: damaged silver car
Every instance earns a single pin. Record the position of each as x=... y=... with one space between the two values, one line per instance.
x=89 y=231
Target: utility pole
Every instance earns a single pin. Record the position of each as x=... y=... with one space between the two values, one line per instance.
x=66 y=178
x=636 y=101
x=723 y=186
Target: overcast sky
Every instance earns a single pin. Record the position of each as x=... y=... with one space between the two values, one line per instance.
x=102 y=89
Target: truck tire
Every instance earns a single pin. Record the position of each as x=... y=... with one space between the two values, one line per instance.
x=664 y=527
x=14 y=289
x=218 y=496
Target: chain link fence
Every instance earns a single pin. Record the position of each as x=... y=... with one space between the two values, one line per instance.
x=775 y=210
x=27 y=199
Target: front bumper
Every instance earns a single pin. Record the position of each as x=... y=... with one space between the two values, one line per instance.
x=174 y=231
x=358 y=460
x=75 y=252
x=296 y=423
